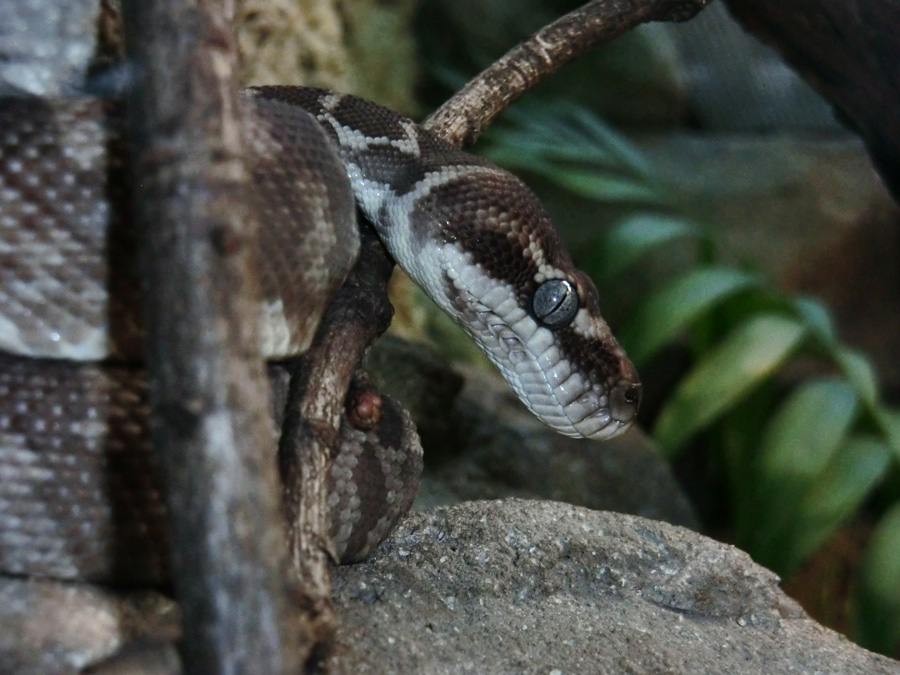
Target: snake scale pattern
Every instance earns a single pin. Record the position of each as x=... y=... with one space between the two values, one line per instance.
x=75 y=470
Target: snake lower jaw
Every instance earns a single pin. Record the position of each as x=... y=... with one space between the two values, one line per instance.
x=615 y=417
x=562 y=399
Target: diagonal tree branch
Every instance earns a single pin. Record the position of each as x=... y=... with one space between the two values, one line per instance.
x=358 y=314
x=461 y=119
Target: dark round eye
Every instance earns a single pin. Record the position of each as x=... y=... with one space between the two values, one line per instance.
x=555 y=303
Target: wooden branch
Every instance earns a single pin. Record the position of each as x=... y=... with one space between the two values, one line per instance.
x=849 y=51
x=210 y=414
x=321 y=378
x=461 y=119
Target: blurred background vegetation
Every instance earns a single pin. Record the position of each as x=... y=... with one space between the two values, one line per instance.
x=745 y=252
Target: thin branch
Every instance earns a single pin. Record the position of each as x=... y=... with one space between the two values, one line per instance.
x=210 y=409
x=357 y=315
x=461 y=120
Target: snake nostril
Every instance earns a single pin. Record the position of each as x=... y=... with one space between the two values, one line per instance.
x=624 y=401
x=632 y=393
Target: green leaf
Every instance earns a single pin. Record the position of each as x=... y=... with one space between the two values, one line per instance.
x=602 y=186
x=859 y=372
x=837 y=493
x=599 y=181
x=572 y=147
x=636 y=235
x=817 y=317
x=747 y=356
x=517 y=149
x=572 y=132
x=520 y=148
x=673 y=308
x=805 y=433
x=888 y=420
x=878 y=591
x=803 y=452
x=597 y=132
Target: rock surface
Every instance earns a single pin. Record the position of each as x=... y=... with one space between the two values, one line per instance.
x=56 y=628
x=481 y=443
x=494 y=587
x=541 y=587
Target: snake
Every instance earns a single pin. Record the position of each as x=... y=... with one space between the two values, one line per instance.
x=73 y=413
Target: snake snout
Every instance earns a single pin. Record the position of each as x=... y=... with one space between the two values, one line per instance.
x=625 y=397
x=615 y=417
x=624 y=401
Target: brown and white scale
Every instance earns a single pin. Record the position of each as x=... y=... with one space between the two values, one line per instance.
x=470 y=234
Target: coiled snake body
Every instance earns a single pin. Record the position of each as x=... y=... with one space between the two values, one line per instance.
x=72 y=430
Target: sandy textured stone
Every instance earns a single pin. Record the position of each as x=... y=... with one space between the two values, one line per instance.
x=54 y=628
x=481 y=443
x=542 y=587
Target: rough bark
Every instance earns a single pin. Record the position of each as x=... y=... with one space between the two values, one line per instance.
x=208 y=388
x=320 y=381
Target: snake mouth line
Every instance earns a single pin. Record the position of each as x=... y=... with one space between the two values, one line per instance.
x=555 y=392
x=578 y=395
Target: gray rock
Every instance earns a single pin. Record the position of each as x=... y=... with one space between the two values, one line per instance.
x=508 y=586
x=58 y=628
x=541 y=587
x=508 y=453
x=481 y=443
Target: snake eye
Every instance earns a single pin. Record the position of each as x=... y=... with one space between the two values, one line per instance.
x=555 y=303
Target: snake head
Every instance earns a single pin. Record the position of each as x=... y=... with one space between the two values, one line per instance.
x=481 y=245
x=508 y=281
x=565 y=366
x=568 y=308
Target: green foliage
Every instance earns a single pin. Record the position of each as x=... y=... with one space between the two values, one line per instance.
x=878 y=605
x=670 y=310
x=724 y=376
x=801 y=456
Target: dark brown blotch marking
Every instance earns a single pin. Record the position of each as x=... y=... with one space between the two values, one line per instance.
x=308 y=98
x=373 y=121
x=598 y=356
x=372 y=483
x=497 y=217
